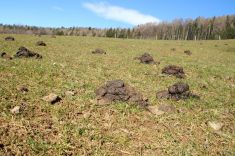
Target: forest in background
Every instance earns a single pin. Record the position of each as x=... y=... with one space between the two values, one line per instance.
x=215 y=28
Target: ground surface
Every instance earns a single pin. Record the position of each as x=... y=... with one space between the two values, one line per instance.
x=78 y=126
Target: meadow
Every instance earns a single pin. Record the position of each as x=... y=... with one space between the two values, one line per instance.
x=78 y=126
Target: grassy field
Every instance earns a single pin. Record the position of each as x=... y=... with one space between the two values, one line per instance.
x=78 y=126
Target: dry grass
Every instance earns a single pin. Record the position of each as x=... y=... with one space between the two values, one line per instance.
x=117 y=129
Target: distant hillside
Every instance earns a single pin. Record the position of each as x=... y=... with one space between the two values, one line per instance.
x=198 y=29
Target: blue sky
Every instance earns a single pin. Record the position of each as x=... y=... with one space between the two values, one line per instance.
x=107 y=13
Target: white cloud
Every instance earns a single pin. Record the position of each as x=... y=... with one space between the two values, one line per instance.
x=57 y=8
x=117 y=13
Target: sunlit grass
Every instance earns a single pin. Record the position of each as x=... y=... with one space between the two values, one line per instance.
x=119 y=128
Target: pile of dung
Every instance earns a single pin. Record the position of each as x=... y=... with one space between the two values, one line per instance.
x=9 y=38
x=188 y=52
x=98 y=51
x=41 y=43
x=24 y=52
x=5 y=56
x=176 y=92
x=146 y=58
x=117 y=90
x=174 y=70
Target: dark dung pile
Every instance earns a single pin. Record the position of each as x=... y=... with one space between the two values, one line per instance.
x=174 y=70
x=117 y=90
x=146 y=58
x=98 y=51
x=176 y=92
x=24 y=52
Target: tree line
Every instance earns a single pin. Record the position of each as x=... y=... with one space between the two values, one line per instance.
x=215 y=28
